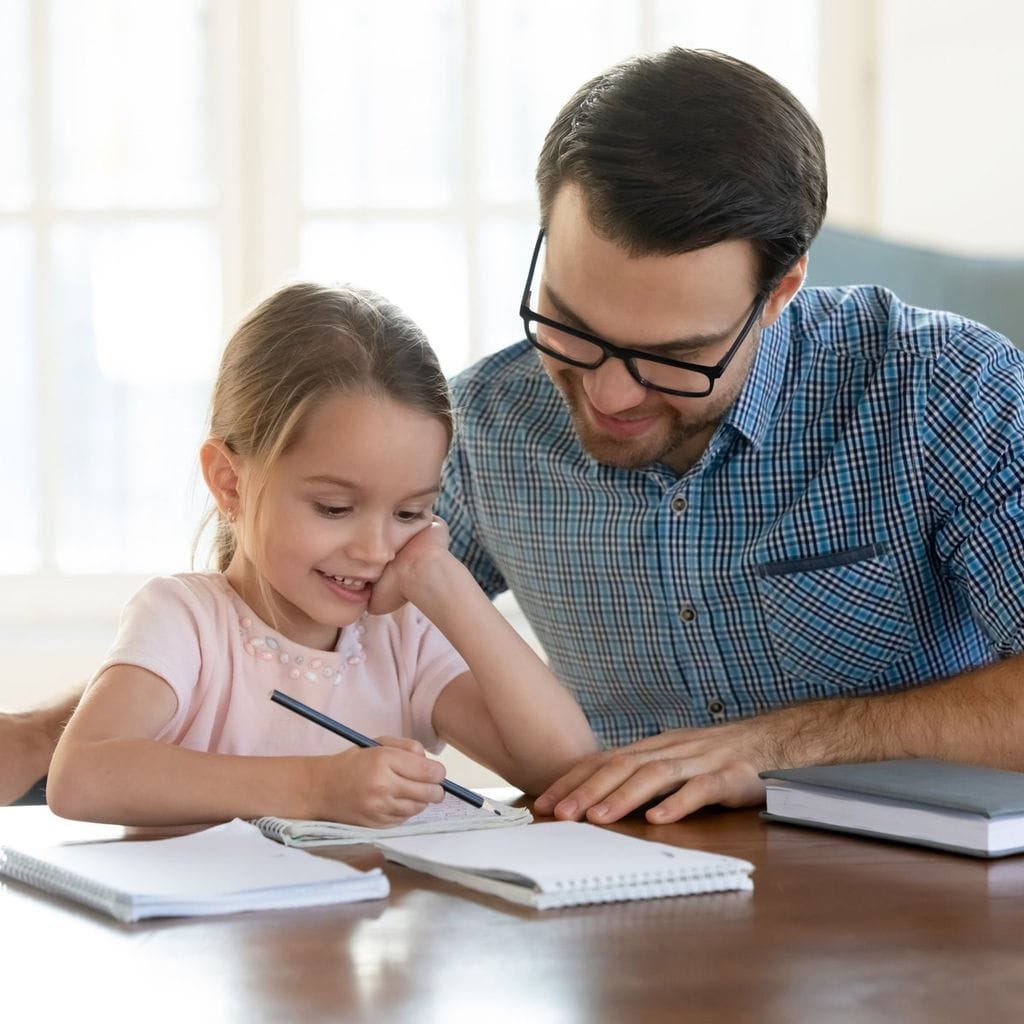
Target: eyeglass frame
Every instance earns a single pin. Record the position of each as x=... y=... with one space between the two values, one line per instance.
x=712 y=373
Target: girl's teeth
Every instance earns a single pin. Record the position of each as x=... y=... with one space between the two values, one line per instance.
x=346 y=581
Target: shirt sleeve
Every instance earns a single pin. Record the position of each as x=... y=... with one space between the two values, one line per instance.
x=159 y=632
x=974 y=446
x=455 y=502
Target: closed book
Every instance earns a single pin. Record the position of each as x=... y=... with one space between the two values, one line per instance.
x=220 y=870
x=959 y=807
x=568 y=863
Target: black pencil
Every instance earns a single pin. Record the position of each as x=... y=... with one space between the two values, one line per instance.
x=353 y=736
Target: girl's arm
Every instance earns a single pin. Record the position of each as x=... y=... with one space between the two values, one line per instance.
x=107 y=767
x=509 y=712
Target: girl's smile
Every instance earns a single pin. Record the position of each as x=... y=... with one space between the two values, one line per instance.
x=356 y=485
x=348 y=588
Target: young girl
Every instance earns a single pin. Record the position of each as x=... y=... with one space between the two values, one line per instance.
x=329 y=425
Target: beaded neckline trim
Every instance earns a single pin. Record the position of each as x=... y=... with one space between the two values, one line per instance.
x=326 y=666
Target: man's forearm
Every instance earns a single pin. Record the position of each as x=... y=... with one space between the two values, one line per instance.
x=976 y=717
x=27 y=741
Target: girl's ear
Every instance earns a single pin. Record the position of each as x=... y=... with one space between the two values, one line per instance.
x=221 y=475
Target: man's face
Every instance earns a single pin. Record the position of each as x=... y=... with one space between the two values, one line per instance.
x=689 y=306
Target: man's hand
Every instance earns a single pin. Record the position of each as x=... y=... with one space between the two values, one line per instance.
x=27 y=740
x=690 y=768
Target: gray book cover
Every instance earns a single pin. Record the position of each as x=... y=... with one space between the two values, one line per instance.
x=989 y=792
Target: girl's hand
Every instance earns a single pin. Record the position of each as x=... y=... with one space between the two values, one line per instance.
x=397 y=583
x=377 y=786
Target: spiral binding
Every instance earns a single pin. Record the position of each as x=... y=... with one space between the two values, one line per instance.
x=640 y=885
x=61 y=882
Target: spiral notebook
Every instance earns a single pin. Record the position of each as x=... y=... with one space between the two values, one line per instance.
x=221 y=870
x=568 y=863
x=451 y=815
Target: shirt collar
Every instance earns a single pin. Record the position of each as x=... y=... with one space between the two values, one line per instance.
x=753 y=411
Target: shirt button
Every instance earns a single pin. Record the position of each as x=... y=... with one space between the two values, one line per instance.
x=715 y=707
x=687 y=614
x=679 y=504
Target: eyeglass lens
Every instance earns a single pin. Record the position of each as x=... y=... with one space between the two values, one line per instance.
x=584 y=353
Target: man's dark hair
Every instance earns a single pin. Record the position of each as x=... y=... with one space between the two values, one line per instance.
x=678 y=150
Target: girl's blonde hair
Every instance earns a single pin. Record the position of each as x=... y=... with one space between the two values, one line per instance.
x=304 y=344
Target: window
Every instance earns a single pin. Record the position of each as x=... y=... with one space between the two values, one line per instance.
x=111 y=256
x=166 y=165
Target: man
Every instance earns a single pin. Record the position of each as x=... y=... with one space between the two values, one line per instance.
x=752 y=526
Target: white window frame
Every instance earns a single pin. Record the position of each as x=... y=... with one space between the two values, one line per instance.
x=49 y=598
x=253 y=77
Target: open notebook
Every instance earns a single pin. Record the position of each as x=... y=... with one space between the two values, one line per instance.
x=567 y=863
x=220 y=870
x=451 y=815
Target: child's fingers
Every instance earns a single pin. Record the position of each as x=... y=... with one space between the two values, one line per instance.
x=402 y=743
x=424 y=770
x=412 y=761
x=420 y=793
x=403 y=799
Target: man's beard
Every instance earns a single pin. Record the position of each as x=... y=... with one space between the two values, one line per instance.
x=670 y=436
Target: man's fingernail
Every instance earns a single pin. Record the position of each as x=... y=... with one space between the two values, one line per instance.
x=567 y=808
x=600 y=811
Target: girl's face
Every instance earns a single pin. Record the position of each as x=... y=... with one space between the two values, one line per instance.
x=357 y=484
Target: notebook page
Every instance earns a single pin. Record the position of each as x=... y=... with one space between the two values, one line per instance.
x=228 y=858
x=554 y=854
x=451 y=815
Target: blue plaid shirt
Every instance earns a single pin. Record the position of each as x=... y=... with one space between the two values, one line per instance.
x=856 y=524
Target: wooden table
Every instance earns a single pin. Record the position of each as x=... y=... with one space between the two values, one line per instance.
x=837 y=929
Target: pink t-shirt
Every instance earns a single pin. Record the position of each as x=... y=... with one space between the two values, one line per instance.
x=222 y=661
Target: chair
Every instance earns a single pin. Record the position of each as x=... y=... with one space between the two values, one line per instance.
x=988 y=290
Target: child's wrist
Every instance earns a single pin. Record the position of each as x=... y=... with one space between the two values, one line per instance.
x=312 y=788
x=430 y=575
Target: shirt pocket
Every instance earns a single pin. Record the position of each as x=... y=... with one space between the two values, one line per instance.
x=836 y=620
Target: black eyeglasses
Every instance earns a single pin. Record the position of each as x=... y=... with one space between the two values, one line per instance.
x=587 y=351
